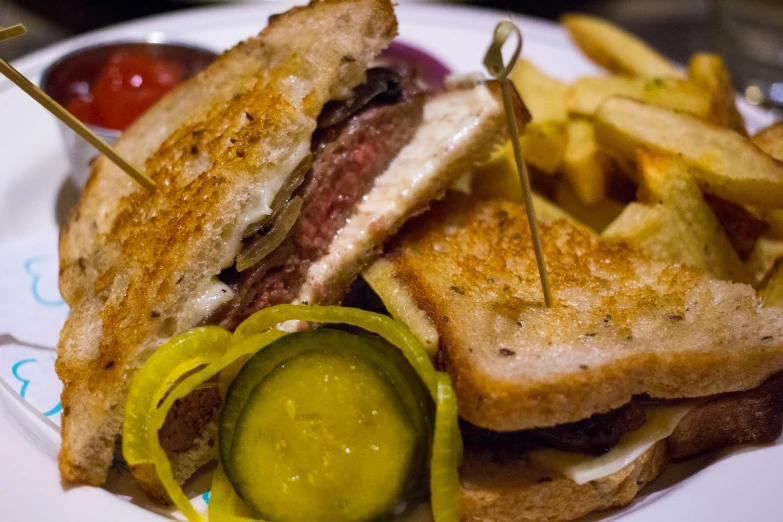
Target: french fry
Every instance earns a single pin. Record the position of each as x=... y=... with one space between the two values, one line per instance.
x=498 y=178
x=762 y=259
x=585 y=95
x=771 y=291
x=708 y=71
x=544 y=140
x=544 y=143
x=544 y=96
x=724 y=163
x=770 y=140
x=673 y=223
x=595 y=217
x=587 y=168
x=649 y=228
x=742 y=225
x=616 y=49
x=548 y=212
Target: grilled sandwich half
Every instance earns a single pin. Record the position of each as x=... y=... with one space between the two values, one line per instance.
x=280 y=172
x=575 y=408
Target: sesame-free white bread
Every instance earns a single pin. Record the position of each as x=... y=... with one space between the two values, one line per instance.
x=218 y=147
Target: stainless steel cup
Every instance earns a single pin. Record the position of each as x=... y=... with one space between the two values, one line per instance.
x=81 y=154
x=77 y=71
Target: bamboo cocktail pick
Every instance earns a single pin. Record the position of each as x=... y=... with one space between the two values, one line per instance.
x=63 y=115
x=12 y=32
x=493 y=61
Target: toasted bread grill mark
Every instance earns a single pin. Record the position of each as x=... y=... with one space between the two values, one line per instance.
x=154 y=260
x=317 y=35
x=620 y=325
x=132 y=261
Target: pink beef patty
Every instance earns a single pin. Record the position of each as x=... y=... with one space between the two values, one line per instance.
x=347 y=157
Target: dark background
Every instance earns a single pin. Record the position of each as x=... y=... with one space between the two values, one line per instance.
x=748 y=33
x=675 y=27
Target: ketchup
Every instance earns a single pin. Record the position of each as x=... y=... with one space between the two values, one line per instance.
x=129 y=84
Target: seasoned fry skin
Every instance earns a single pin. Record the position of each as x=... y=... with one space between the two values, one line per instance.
x=673 y=224
x=709 y=71
x=725 y=164
x=616 y=49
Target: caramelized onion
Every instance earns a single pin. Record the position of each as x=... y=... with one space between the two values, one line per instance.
x=283 y=195
x=262 y=245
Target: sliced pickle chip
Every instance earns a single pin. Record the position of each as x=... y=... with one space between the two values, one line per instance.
x=261 y=246
x=323 y=437
x=395 y=376
x=411 y=393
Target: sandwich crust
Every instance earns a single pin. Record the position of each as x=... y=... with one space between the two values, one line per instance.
x=621 y=324
x=502 y=487
x=219 y=147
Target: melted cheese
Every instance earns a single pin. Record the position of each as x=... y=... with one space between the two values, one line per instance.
x=661 y=422
x=261 y=206
x=212 y=296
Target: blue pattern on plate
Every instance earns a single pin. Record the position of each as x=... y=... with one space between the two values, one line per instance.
x=28 y=267
x=15 y=372
x=26 y=382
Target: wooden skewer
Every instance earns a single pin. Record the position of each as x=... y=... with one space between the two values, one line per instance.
x=12 y=32
x=493 y=61
x=63 y=115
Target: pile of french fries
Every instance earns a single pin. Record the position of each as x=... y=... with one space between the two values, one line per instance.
x=653 y=156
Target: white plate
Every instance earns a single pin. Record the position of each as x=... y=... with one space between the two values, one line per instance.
x=32 y=171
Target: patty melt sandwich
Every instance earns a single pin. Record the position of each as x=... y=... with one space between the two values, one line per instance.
x=280 y=172
x=575 y=408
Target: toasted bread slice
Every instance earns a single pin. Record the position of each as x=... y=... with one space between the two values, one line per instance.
x=501 y=484
x=505 y=487
x=134 y=264
x=335 y=56
x=621 y=324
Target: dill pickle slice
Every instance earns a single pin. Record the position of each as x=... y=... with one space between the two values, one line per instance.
x=447 y=441
x=417 y=399
x=411 y=391
x=323 y=437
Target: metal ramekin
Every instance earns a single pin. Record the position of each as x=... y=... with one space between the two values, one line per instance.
x=84 y=65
